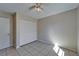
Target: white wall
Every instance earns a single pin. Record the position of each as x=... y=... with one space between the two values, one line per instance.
x=5 y=15
x=59 y=29
x=26 y=28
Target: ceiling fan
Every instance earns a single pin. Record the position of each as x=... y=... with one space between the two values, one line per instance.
x=37 y=7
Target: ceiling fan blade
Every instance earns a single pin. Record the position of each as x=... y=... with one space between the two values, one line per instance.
x=32 y=7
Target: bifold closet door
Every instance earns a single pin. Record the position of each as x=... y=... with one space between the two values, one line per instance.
x=27 y=32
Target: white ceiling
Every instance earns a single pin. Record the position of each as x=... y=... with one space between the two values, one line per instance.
x=49 y=8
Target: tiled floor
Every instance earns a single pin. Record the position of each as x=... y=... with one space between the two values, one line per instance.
x=36 y=48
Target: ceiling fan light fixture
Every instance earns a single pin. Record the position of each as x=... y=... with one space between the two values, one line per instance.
x=38 y=9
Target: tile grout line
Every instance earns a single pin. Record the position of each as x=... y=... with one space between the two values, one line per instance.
x=27 y=51
x=18 y=52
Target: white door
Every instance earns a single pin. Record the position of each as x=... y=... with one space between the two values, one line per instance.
x=4 y=32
